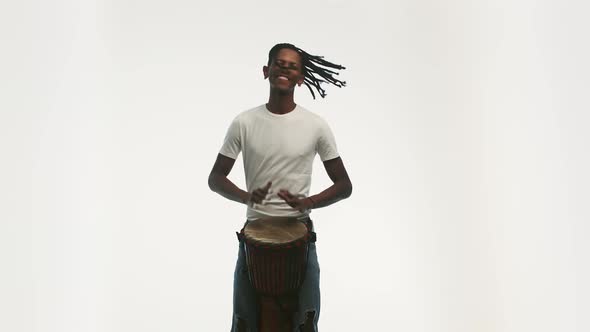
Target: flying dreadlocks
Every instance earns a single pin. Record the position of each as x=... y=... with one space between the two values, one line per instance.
x=315 y=69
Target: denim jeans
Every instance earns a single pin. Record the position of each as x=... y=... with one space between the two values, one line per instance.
x=245 y=305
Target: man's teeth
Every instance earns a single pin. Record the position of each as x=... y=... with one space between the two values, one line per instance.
x=283 y=78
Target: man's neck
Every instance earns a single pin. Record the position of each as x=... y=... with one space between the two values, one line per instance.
x=280 y=103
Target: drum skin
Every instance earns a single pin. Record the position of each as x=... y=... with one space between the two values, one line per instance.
x=276 y=254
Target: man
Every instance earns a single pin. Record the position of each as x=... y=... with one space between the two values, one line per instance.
x=279 y=141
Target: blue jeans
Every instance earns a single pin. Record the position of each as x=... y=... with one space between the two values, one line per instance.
x=245 y=298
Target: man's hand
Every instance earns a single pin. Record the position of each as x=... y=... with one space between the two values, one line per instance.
x=258 y=195
x=299 y=203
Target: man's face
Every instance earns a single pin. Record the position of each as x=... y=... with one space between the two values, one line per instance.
x=285 y=70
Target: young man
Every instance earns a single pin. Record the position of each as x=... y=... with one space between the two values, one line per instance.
x=279 y=141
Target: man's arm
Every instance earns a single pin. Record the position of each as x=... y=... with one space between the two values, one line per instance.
x=219 y=183
x=340 y=189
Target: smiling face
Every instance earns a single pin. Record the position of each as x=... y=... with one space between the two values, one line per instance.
x=285 y=70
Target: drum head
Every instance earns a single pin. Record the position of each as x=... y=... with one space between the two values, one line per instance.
x=275 y=230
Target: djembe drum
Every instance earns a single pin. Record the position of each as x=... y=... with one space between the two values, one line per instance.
x=276 y=255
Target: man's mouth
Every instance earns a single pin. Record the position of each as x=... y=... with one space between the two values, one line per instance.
x=281 y=77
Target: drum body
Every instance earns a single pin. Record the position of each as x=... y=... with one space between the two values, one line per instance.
x=276 y=254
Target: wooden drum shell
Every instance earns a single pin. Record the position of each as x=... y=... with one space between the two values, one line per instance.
x=276 y=268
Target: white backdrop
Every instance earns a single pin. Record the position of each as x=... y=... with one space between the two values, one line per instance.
x=463 y=128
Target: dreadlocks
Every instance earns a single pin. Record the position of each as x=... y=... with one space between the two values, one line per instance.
x=314 y=68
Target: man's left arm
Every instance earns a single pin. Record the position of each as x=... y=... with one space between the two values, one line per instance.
x=340 y=189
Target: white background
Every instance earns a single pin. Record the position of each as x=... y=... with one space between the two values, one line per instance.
x=464 y=128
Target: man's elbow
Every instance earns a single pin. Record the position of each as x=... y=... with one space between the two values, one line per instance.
x=347 y=190
x=211 y=181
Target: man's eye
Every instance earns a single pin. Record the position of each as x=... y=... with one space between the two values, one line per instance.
x=283 y=64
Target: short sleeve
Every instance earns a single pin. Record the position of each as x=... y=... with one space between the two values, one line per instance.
x=232 y=144
x=326 y=145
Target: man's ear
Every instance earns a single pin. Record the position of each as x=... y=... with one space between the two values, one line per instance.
x=265 y=71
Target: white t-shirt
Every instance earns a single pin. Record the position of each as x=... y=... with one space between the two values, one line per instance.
x=279 y=148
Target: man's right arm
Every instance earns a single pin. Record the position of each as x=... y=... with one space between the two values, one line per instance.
x=219 y=183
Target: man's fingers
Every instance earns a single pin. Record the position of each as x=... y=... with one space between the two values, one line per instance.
x=258 y=196
x=284 y=196
x=293 y=200
x=264 y=190
x=288 y=197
